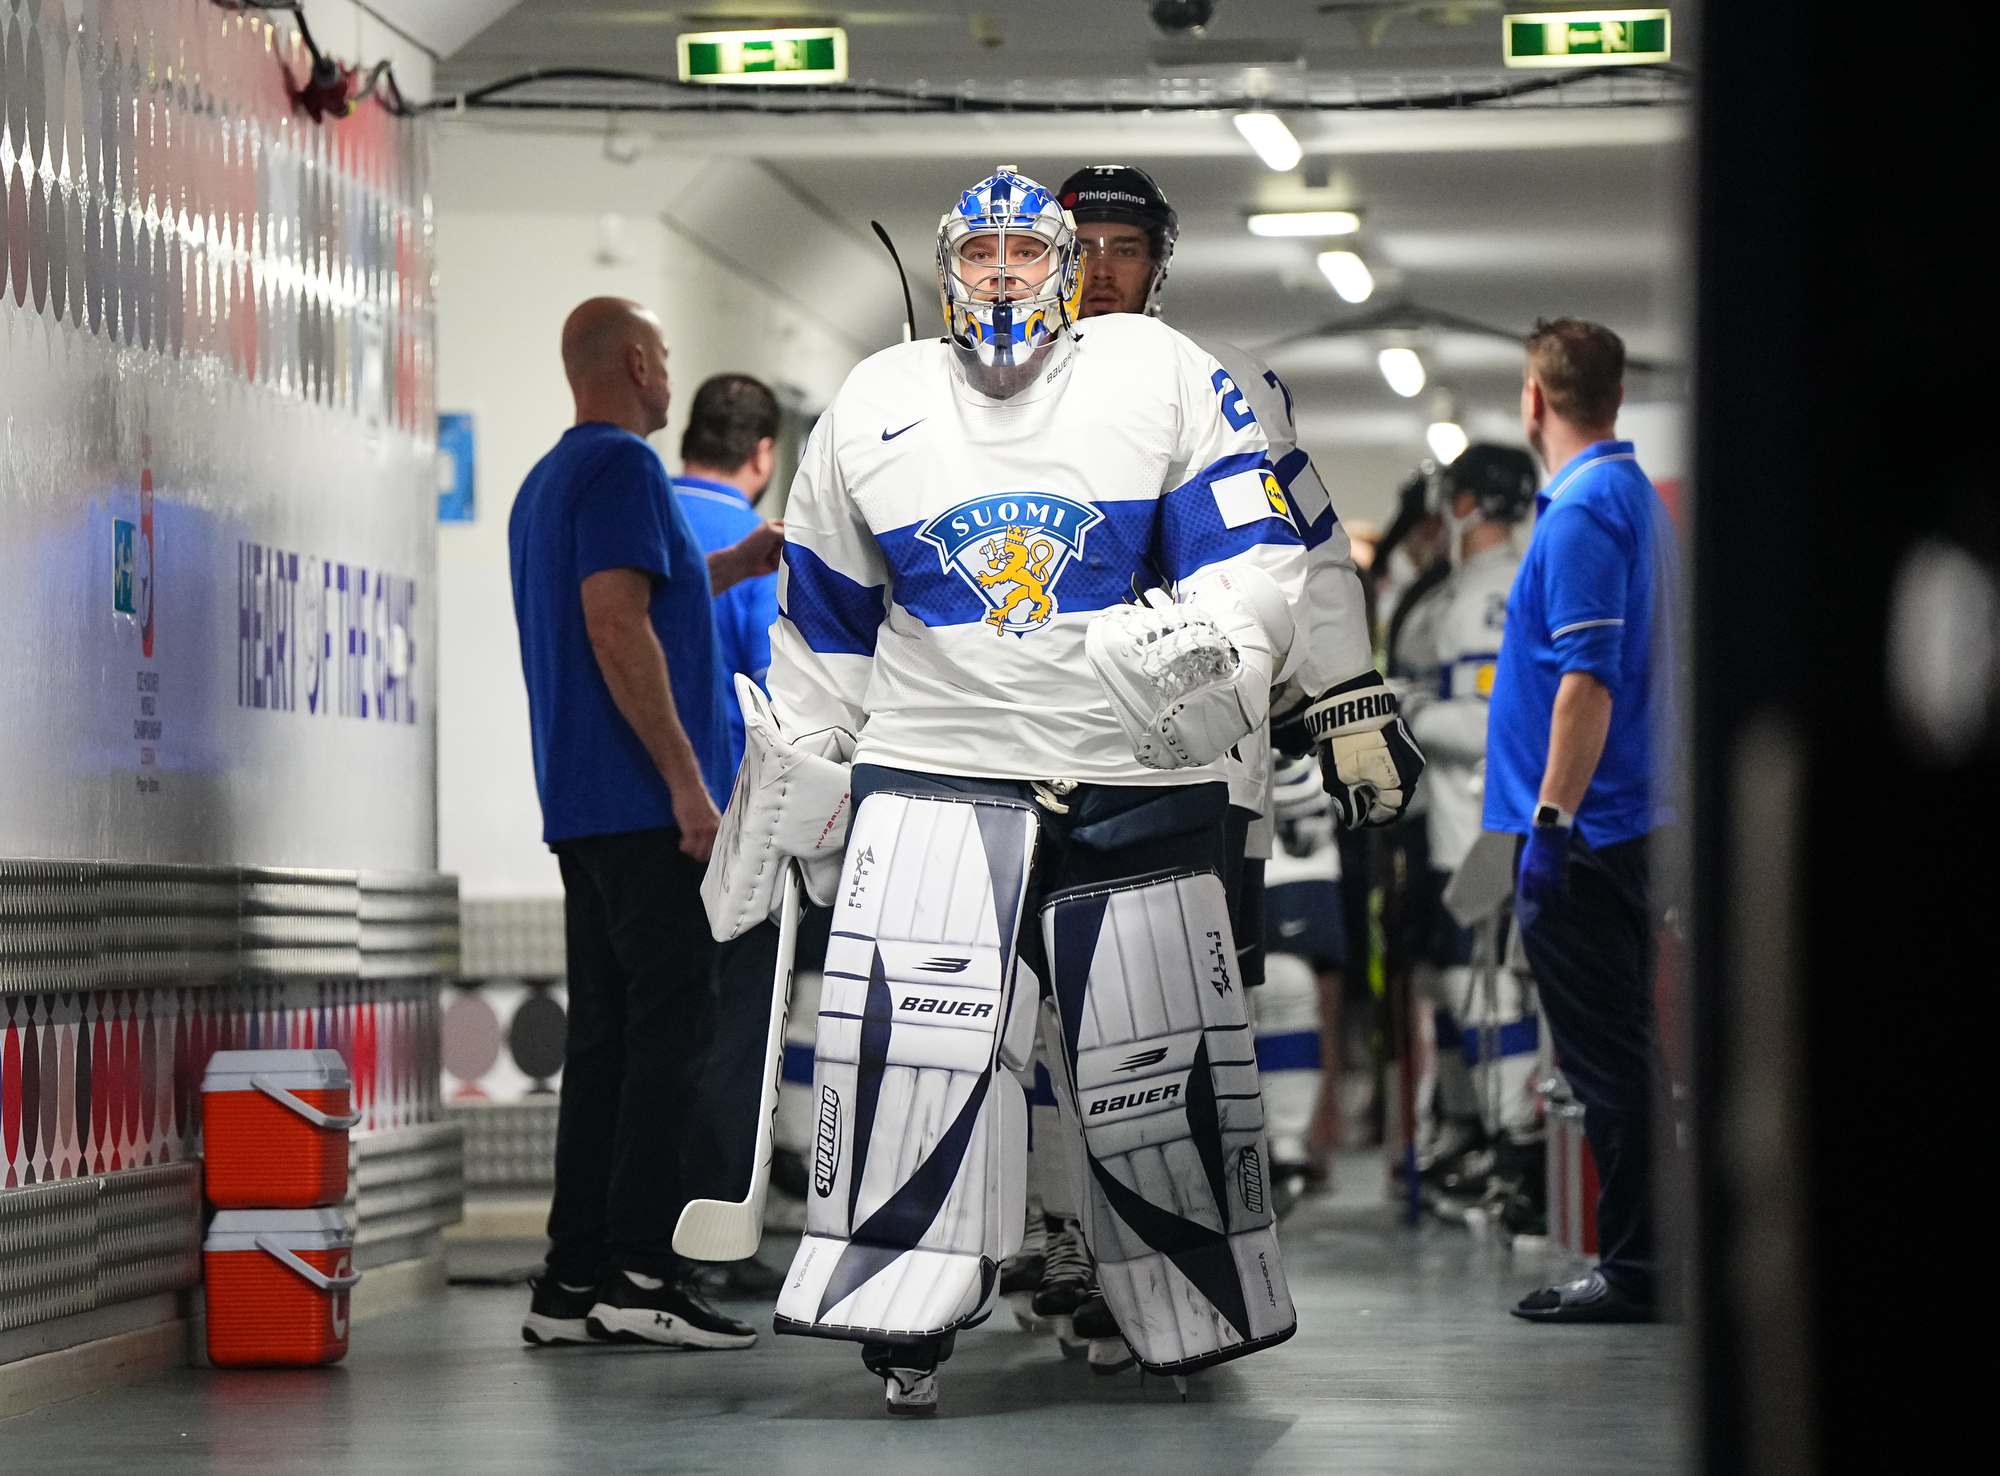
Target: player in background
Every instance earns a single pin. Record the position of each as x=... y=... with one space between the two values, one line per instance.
x=1485 y=1029
x=1129 y=231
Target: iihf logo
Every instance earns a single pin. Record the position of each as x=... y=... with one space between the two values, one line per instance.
x=1011 y=548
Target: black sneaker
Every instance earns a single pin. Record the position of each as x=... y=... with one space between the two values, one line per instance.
x=556 y=1313
x=1589 y=1298
x=748 y=1278
x=667 y=1316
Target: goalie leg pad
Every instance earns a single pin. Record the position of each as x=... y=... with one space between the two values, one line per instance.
x=1159 y=1053
x=920 y=1128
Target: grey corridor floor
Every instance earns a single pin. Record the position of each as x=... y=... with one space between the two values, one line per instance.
x=1405 y=1361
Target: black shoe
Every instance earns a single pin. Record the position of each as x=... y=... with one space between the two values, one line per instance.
x=788 y=1174
x=555 y=1313
x=667 y=1316
x=1589 y=1298
x=749 y=1278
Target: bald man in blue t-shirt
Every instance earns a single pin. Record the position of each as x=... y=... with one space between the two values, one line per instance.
x=628 y=705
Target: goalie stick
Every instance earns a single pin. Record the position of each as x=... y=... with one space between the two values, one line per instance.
x=729 y=1230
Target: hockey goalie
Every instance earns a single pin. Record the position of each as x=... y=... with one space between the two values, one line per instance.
x=1037 y=583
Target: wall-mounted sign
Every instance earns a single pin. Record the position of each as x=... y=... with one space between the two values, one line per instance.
x=456 y=499
x=1588 y=38
x=800 y=56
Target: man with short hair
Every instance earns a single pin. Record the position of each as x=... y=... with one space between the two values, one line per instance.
x=1584 y=683
x=626 y=704
x=728 y=454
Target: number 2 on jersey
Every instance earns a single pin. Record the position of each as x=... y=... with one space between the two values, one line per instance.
x=1233 y=409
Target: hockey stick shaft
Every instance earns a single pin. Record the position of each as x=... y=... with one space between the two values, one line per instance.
x=903 y=278
x=729 y=1230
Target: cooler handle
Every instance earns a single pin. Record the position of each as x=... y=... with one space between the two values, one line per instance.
x=304 y=1108
x=305 y=1268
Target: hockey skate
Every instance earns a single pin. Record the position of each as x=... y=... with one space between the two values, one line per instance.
x=1109 y=1352
x=1066 y=1284
x=1021 y=1274
x=909 y=1375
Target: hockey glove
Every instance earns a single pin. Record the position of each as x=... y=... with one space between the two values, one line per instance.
x=790 y=804
x=1367 y=760
x=1296 y=794
x=1188 y=680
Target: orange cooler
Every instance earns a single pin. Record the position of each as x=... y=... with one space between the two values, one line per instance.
x=274 y=1129
x=277 y=1284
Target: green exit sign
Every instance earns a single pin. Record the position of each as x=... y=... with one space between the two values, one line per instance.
x=1588 y=38
x=803 y=55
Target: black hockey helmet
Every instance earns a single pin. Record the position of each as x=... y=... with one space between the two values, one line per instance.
x=1501 y=480
x=1125 y=194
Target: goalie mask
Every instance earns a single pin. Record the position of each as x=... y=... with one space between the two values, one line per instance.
x=1009 y=277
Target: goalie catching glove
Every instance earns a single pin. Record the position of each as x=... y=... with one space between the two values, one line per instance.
x=1189 y=679
x=1368 y=762
x=790 y=804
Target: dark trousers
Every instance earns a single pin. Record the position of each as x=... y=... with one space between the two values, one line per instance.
x=1592 y=954
x=640 y=1002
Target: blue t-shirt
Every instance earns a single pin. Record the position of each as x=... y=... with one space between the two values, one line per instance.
x=602 y=500
x=720 y=516
x=1595 y=593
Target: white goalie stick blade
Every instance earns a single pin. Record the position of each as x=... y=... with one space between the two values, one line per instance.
x=1157 y=1050
x=729 y=1230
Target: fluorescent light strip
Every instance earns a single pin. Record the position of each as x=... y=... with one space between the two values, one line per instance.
x=1348 y=275
x=1403 y=369
x=1305 y=223
x=1273 y=141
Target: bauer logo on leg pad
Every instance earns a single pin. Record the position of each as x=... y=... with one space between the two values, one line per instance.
x=922 y=1004
x=1122 y=1101
x=826 y=1150
x=1139 y=1060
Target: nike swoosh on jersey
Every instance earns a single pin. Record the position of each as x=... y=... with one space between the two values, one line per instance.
x=889 y=435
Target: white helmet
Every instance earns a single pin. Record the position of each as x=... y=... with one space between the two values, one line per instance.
x=1010 y=278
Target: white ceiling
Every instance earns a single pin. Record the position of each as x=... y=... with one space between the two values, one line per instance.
x=1493 y=214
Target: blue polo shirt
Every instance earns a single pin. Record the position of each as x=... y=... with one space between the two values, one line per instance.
x=721 y=515
x=602 y=500
x=1595 y=593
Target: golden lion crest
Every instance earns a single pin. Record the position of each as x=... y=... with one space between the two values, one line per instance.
x=1022 y=560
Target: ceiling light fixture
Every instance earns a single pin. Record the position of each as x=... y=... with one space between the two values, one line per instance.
x=1403 y=370
x=1304 y=223
x=1273 y=141
x=1446 y=439
x=1349 y=276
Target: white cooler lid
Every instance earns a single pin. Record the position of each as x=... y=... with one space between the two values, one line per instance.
x=298 y=1071
x=298 y=1230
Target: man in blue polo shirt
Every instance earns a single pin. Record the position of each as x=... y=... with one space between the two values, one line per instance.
x=1582 y=703
x=728 y=452
x=627 y=704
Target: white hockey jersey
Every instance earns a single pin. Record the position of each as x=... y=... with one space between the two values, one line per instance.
x=1337 y=644
x=1451 y=728
x=944 y=551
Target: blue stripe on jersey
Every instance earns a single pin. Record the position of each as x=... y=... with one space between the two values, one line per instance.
x=1296 y=1050
x=1113 y=554
x=1192 y=535
x=1289 y=466
x=835 y=615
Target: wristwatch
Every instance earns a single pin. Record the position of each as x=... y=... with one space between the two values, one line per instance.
x=1549 y=816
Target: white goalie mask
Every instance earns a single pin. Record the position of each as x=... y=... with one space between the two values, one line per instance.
x=1010 y=278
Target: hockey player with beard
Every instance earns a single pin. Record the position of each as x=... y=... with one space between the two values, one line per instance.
x=1030 y=761
x=1128 y=231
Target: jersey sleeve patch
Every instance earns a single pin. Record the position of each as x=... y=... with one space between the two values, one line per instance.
x=1248 y=496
